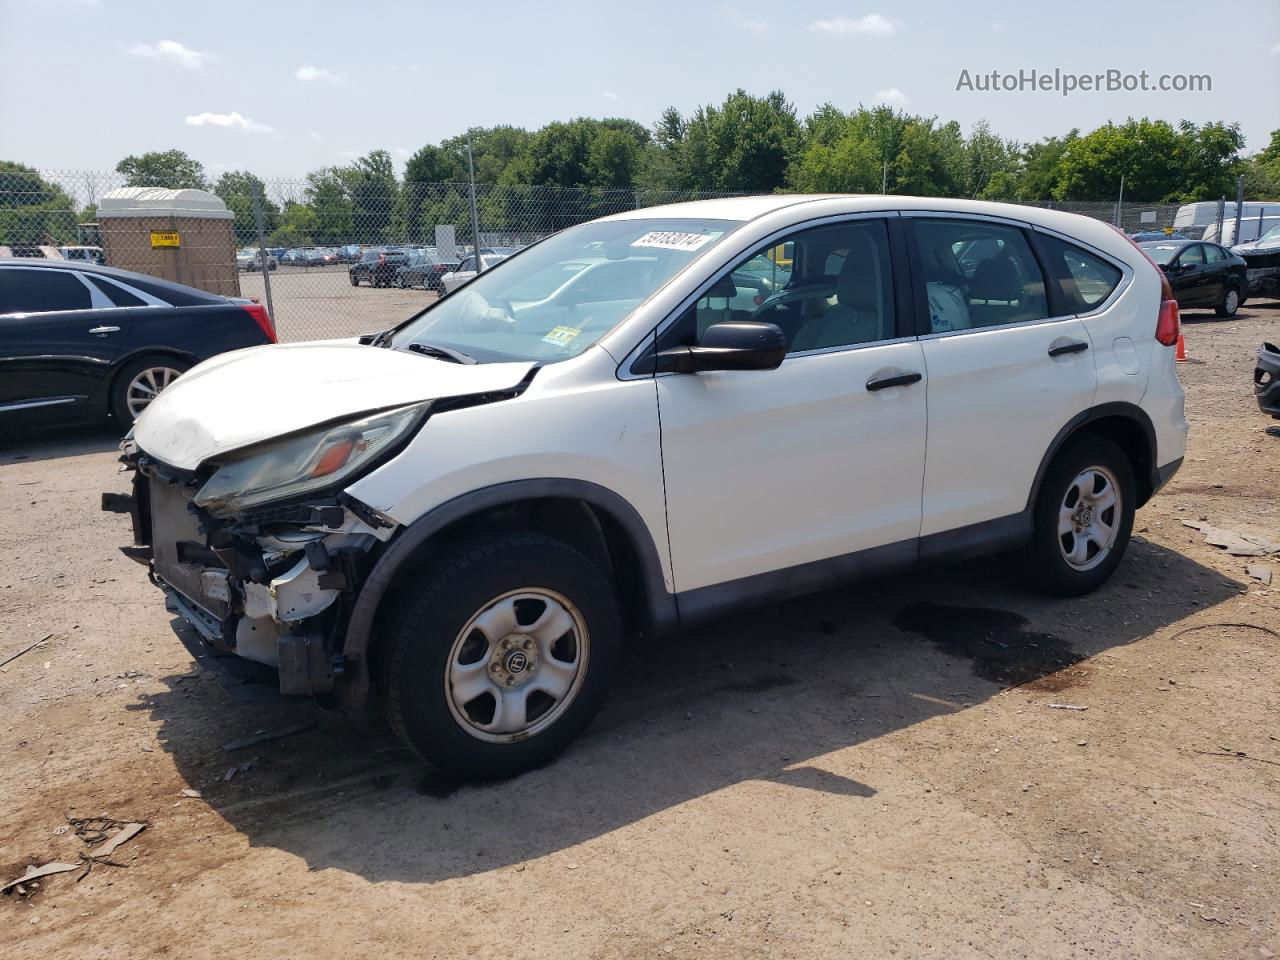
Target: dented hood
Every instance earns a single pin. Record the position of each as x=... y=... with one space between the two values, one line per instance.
x=248 y=396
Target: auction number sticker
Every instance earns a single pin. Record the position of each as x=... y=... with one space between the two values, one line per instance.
x=665 y=240
x=561 y=336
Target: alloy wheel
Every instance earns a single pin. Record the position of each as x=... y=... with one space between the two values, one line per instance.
x=146 y=386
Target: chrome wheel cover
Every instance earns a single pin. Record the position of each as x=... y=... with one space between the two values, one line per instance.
x=1089 y=518
x=517 y=665
x=146 y=386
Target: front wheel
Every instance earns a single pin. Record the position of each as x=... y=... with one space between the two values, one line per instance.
x=1230 y=303
x=502 y=656
x=355 y=280
x=1082 y=517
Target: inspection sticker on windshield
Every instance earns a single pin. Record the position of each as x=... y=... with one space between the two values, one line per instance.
x=666 y=240
x=561 y=336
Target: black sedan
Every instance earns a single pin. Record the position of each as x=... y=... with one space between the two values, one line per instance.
x=425 y=270
x=79 y=341
x=377 y=267
x=1203 y=275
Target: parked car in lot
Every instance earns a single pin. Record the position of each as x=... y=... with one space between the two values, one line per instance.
x=1262 y=264
x=602 y=435
x=1152 y=236
x=84 y=253
x=426 y=270
x=252 y=260
x=80 y=341
x=1203 y=275
x=453 y=279
x=1266 y=380
x=377 y=267
x=351 y=252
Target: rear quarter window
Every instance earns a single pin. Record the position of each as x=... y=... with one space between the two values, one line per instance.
x=1084 y=280
x=41 y=291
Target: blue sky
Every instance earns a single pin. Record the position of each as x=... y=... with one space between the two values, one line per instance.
x=281 y=88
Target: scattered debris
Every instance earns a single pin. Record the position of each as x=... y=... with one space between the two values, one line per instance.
x=1260 y=573
x=1236 y=544
x=189 y=792
x=257 y=738
x=20 y=885
x=1065 y=706
x=126 y=833
x=28 y=649
x=104 y=834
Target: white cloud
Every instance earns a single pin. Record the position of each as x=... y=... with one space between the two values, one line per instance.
x=316 y=136
x=997 y=27
x=873 y=24
x=171 y=51
x=610 y=95
x=310 y=74
x=403 y=152
x=1276 y=48
x=893 y=97
x=414 y=68
x=735 y=17
x=232 y=121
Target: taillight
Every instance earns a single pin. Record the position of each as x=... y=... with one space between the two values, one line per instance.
x=262 y=319
x=1167 y=323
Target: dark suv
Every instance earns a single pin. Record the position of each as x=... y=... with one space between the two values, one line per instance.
x=377 y=267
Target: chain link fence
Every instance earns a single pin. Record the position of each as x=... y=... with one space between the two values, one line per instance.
x=345 y=254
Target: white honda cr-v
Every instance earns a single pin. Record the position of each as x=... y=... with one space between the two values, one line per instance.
x=643 y=422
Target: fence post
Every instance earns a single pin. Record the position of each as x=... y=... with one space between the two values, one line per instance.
x=1239 y=210
x=262 y=255
x=475 y=211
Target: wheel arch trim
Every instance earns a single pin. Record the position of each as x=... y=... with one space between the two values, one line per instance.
x=659 y=603
x=1116 y=409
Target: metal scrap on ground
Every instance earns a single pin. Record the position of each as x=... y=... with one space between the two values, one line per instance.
x=35 y=873
x=27 y=649
x=1236 y=544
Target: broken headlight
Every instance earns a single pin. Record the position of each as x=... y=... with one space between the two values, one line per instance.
x=317 y=459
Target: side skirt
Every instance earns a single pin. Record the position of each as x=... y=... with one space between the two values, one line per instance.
x=991 y=536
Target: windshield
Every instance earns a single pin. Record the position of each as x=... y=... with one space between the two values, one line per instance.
x=562 y=295
x=1270 y=235
x=1162 y=253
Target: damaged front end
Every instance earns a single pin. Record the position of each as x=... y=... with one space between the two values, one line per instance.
x=262 y=552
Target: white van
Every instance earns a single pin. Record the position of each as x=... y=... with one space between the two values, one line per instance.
x=1193 y=219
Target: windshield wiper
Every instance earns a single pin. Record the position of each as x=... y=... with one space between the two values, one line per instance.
x=441 y=353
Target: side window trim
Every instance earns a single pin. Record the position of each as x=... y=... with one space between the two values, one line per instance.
x=147 y=298
x=648 y=340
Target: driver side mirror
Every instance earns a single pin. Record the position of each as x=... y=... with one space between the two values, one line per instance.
x=733 y=345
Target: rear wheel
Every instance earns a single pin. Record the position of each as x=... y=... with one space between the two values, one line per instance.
x=503 y=656
x=141 y=382
x=1083 y=517
x=355 y=280
x=1230 y=303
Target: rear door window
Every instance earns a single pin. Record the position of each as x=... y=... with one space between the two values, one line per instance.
x=1083 y=280
x=1213 y=254
x=978 y=274
x=41 y=291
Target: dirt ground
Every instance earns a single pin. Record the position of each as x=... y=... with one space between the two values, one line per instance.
x=873 y=772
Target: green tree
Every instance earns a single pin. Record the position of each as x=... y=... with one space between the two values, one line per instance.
x=33 y=210
x=237 y=188
x=326 y=195
x=746 y=143
x=1146 y=152
x=298 y=227
x=170 y=168
x=1208 y=160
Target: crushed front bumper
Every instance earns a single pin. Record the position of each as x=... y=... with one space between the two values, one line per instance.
x=274 y=585
x=1266 y=380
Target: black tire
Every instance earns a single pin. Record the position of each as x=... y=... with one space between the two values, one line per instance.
x=355 y=280
x=413 y=660
x=119 y=396
x=1229 y=305
x=1044 y=562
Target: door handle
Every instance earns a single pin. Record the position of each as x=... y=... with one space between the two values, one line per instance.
x=901 y=380
x=1062 y=349
x=103 y=331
